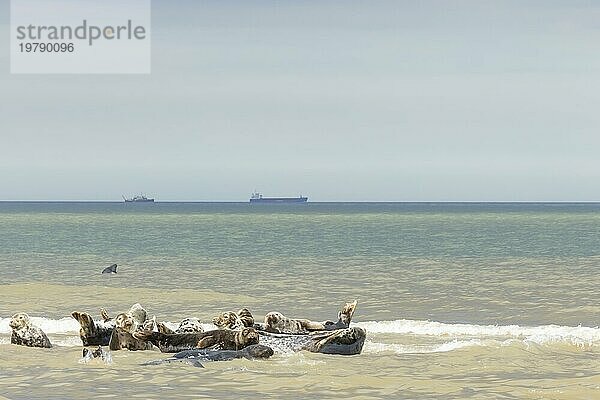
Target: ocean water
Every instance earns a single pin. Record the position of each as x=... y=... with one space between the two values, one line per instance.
x=459 y=300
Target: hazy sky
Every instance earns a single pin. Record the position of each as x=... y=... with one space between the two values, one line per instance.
x=337 y=100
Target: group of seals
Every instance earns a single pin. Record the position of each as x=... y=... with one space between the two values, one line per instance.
x=238 y=330
x=24 y=333
x=237 y=335
x=278 y=323
x=126 y=324
x=117 y=333
x=221 y=339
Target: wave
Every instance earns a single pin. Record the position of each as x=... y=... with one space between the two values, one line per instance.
x=62 y=326
x=376 y=347
x=544 y=334
x=68 y=325
x=66 y=333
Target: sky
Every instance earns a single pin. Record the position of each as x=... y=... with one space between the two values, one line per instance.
x=336 y=100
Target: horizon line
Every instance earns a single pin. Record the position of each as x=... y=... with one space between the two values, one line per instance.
x=324 y=202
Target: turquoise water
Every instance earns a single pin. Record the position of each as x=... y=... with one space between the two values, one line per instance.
x=484 y=263
x=459 y=301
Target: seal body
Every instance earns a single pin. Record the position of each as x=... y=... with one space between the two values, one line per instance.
x=138 y=314
x=24 y=333
x=126 y=324
x=189 y=325
x=223 y=339
x=93 y=333
x=161 y=327
x=246 y=317
x=234 y=321
x=328 y=337
x=348 y=341
x=121 y=339
x=228 y=320
x=276 y=322
x=252 y=352
x=100 y=332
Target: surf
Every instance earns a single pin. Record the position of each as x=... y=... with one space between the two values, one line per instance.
x=543 y=334
x=458 y=335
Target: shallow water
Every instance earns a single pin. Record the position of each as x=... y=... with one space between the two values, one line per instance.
x=459 y=300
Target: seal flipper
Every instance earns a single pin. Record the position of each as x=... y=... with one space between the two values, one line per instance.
x=348 y=341
x=347 y=312
x=312 y=325
x=104 y=314
x=121 y=339
x=114 y=343
x=91 y=333
x=207 y=342
x=88 y=327
x=344 y=317
x=163 y=328
x=149 y=336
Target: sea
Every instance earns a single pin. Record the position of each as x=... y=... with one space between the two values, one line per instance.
x=459 y=300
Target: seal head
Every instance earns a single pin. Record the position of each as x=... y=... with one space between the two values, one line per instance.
x=228 y=320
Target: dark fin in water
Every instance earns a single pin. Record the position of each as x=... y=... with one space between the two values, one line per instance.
x=110 y=270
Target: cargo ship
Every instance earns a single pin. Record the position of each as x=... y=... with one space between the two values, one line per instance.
x=258 y=198
x=138 y=199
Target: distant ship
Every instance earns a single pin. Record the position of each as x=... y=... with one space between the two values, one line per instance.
x=138 y=199
x=258 y=198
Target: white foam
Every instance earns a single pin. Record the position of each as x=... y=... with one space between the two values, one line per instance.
x=209 y=327
x=297 y=358
x=64 y=325
x=375 y=347
x=544 y=334
x=65 y=341
x=64 y=332
x=69 y=325
x=174 y=325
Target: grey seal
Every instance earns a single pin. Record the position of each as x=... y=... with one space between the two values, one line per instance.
x=223 y=339
x=94 y=332
x=276 y=322
x=194 y=357
x=348 y=341
x=99 y=332
x=24 y=333
x=126 y=324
